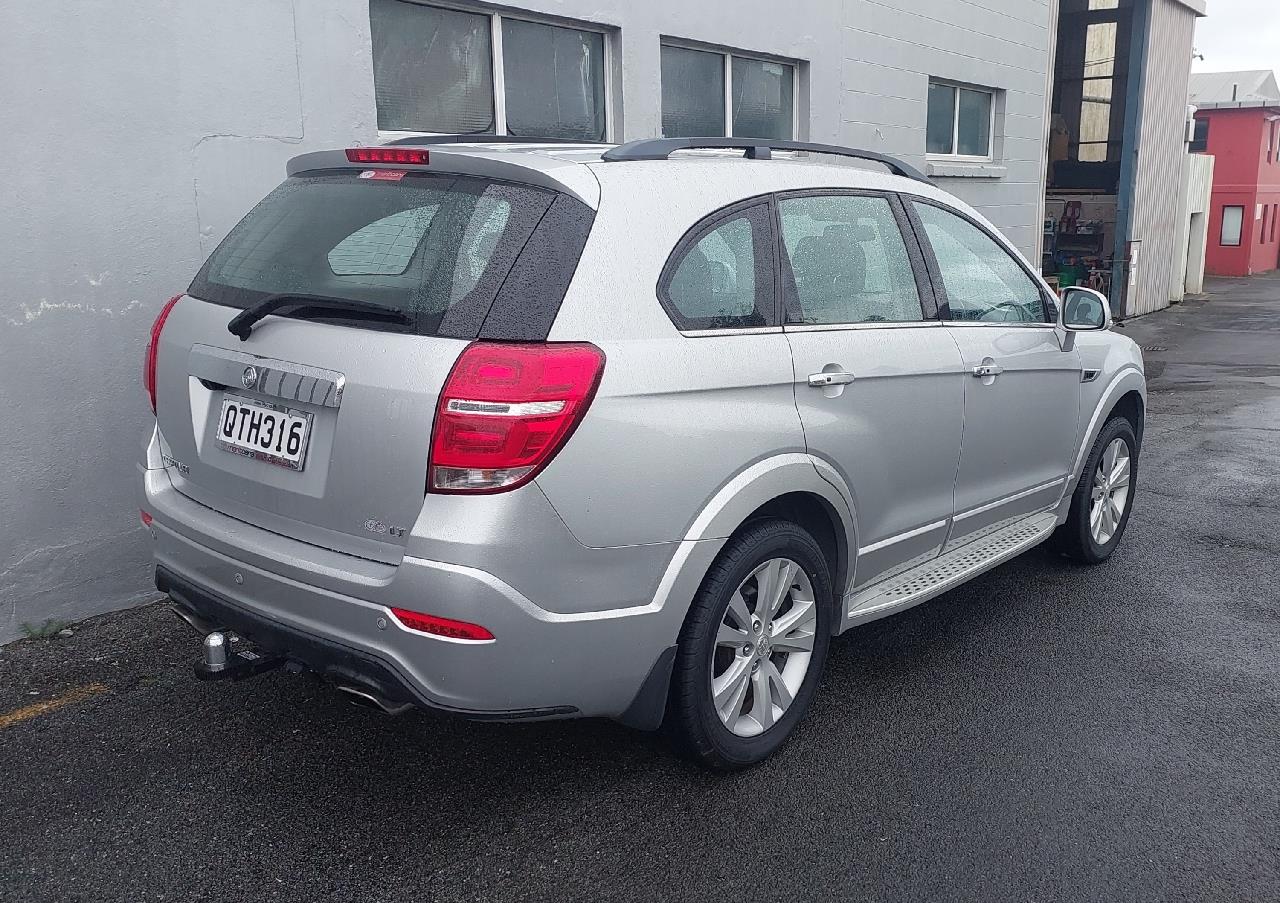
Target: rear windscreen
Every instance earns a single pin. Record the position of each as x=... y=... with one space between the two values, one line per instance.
x=436 y=247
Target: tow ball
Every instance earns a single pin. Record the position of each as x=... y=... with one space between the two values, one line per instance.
x=225 y=657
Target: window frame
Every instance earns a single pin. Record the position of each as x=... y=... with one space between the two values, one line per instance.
x=497 y=69
x=1222 y=227
x=1200 y=135
x=1047 y=299
x=955 y=123
x=788 y=292
x=727 y=56
x=762 y=220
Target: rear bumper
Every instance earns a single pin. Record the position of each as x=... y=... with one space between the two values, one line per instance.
x=332 y=612
x=328 y=658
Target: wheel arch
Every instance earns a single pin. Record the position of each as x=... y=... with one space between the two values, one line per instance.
x=820 y=518
x=1126 y=394
x=1132 y=407
x=793 y=487
x=788 y=485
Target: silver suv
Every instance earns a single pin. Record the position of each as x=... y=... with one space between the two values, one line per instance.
x=538 y=430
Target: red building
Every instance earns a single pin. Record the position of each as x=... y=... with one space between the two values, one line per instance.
x=1238 y=123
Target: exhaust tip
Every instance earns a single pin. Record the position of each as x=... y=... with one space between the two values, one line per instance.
x=370 y=700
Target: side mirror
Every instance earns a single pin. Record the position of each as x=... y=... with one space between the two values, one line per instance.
x=1084 y=310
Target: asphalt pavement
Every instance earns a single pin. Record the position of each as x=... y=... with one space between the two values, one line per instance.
x=1047 y=732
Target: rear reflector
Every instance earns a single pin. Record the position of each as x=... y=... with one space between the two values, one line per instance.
x=153 y=347
x=388 y=155
x=437 y=626
x=146 y=518
x=506 y=410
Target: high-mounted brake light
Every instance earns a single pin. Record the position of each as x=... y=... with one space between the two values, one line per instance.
x=388 y=155
x=506 y=410
x=438 y=626
x=149 y=367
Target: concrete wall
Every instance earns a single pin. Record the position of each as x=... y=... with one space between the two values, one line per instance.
x=134 y=139
x=891 y=50
x=138 y=132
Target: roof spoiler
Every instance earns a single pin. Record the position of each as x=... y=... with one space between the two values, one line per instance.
x=755 y=148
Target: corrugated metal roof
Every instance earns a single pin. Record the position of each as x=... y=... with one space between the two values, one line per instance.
x=1251 y=88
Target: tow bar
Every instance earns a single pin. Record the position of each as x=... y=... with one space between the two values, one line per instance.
x=222 y=660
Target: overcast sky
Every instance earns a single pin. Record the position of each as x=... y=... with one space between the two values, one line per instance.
x=1239 y=34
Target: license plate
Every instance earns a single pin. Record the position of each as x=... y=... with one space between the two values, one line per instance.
x=268 y=433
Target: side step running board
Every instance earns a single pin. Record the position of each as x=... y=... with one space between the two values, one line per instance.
x=948 y=570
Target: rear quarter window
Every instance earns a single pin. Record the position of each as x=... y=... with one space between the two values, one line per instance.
x=721 y=274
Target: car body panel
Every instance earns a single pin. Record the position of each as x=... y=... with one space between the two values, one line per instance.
x=1020 y=426
x=363 y=454
x=585 y=574
x=893 y=434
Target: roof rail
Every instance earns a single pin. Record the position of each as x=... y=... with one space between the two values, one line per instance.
x=756 y=149
x=485 y=139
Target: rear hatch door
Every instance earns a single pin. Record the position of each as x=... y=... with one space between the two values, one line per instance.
x=318 y=425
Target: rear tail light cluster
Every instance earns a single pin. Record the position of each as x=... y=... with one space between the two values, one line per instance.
x=506 y=410
x=149 y=367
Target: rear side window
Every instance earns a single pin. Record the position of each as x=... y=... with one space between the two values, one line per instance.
x=848 y=260
x=720 y=275
x=437 y=247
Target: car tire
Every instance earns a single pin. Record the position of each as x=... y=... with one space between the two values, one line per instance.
x=768 y=654
x=1093 y=530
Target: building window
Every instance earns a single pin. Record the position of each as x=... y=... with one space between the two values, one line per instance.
x=450 y=71
x=713 y=93
x=1275 y=212
x=1266 y=215
x=1232 y=227
x=959 y=122
x=1097 y=87
x=1200 y=141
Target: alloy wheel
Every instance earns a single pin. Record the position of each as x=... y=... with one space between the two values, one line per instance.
x=763 y=647
x=1110 y=492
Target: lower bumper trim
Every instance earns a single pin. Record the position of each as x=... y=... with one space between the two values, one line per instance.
x=335 y=661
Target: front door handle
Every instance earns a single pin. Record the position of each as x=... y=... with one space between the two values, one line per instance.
x=981 y=371
x=834 y=378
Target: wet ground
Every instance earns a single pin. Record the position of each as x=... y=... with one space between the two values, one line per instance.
x=1046 y=732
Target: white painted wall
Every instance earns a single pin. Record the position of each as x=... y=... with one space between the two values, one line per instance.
x=136 y=134
x=1193 y=237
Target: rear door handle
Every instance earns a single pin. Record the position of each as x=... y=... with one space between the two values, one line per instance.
x=984 y=370
x=834 y=378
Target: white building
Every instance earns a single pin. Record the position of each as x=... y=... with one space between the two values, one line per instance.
x=138 y=132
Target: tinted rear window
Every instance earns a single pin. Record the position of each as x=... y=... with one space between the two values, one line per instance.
x=436 y=247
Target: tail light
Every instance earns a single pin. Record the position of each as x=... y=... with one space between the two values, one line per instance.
x=149 y=367
x=438 y=626
x=506 y=410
